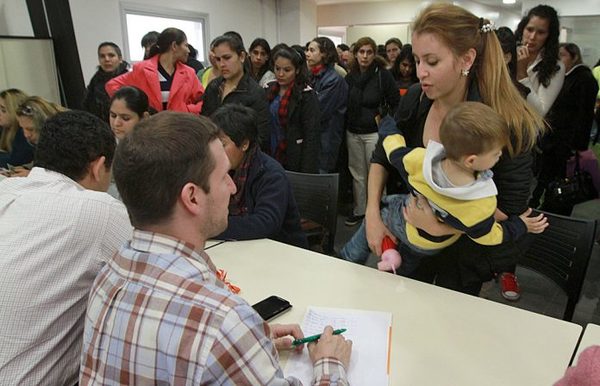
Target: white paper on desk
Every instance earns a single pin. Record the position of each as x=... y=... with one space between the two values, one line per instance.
x=368 y=331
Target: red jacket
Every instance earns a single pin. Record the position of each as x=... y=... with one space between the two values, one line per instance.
x=185 y=94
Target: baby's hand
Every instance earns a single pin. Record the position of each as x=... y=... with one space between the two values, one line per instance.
x=535 y=224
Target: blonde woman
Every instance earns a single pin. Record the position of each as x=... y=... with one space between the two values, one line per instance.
x=459 y=58
x=14 y=148
x=32 y=113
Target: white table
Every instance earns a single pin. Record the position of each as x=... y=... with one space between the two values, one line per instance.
x=439 y=337
x=590 y=337
x=212 y=243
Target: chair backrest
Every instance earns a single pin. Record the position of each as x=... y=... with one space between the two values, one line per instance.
x=317 y=198
x=562 y=253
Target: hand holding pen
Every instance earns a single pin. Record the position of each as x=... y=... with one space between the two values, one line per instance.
x=329 y=345
x=314 y=338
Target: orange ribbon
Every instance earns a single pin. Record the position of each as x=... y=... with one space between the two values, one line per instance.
x=222 y=275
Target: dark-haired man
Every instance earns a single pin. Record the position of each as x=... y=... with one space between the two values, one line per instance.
x=148 y=40
x=157 y=312
x=58 y=227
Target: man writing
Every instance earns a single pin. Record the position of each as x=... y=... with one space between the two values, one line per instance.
x=157 y=312
x=58 y=227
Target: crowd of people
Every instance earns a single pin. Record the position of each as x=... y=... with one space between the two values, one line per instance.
x=442 y=137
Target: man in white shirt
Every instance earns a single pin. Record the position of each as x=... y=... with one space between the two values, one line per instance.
x=57 y=228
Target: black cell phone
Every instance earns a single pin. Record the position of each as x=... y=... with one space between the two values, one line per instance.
x=271 y=307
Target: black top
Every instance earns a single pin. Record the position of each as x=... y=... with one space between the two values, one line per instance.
x=96 y=100
x=303 y=131
x=367 y=91
x=271 y=209
x=572 y=113
x=166 y=81
x=247 y=93
x=195 y=64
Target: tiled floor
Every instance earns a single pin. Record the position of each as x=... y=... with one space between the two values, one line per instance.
x=538 y=293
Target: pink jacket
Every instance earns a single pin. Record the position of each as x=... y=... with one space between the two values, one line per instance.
x=186 y=90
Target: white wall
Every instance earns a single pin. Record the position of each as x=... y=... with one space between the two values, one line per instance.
x=379 y=33
x=14 y=18
x=308 y=21
x=567 y=8
x=296 y=22
x=384 y=12
x=28 y=64
x=498 y=15
x=288 y=23
x=382 y=20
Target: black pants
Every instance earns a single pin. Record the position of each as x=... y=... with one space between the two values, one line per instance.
x=465 y=265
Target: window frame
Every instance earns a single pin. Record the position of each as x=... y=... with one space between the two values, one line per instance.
x=149 y=10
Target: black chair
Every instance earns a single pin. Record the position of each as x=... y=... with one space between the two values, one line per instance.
x=317 y=199
x=562 y=253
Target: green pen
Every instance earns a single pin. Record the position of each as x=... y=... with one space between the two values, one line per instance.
x=313 y=338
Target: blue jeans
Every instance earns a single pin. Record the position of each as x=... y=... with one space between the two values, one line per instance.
x=357 y=249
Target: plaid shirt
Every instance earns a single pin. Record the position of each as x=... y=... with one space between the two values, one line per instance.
x=157 y=314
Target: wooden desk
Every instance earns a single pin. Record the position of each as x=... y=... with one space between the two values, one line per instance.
x=439 y=337
x=590 y=337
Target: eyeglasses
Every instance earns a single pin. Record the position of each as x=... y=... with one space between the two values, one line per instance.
x=25 y=110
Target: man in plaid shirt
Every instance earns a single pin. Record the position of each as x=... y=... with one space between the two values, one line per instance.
x=157 y=312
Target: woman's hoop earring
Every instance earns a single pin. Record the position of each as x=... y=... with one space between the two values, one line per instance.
x=464 y=72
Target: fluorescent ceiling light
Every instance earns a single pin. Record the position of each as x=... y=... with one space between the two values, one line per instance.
x=509 y=1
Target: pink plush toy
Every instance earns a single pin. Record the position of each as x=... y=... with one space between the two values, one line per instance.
x=390 y=258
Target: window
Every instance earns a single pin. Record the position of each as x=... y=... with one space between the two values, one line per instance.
x=335 y=39
x=336 y=34
x=139 y=20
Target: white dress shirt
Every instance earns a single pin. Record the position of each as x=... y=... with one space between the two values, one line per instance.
x=54 y=237
x=542 y=97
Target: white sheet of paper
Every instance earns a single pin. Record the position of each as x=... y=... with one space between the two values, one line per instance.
x=368 y=331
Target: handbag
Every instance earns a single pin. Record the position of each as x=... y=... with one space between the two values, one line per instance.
x=564 y=193
x=384 y=107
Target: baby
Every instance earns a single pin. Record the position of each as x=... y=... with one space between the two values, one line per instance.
x=456 y=180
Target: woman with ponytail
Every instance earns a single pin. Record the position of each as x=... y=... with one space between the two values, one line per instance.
x=164 y=77
x=458 y=59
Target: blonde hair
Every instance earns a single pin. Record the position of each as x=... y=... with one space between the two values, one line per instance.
x=12 y=99
x=472 y=128
x=460 y=31
x=38 y=109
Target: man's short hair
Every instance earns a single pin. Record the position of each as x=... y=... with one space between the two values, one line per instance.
x=150 y=39
x=70 y=140
x=237 y=122
x=154 y=162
